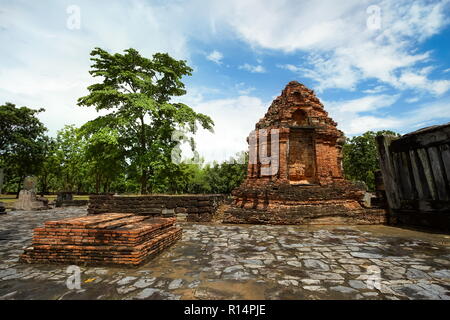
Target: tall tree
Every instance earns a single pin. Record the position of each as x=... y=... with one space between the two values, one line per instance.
x=137 y=91
x=70 y=154
x=49 y=167
x=105 y=156
x=22 y=142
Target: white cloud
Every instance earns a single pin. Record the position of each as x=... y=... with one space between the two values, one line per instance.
x=376 y=89
x=357 y=116
x=410 y=79
x=368 y=103
x=234 y=119
x=340 y=50
x=243 y=89
x=46 y=64
x=350 y=113
x=215 y=56
x=412 y=100
x=253 y=68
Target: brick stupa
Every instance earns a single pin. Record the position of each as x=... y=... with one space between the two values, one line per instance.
x=295 y=171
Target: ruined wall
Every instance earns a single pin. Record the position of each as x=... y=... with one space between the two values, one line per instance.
x=286 y=204
x=416 y=175
x=196 y=207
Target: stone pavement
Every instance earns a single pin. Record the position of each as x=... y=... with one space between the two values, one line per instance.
x=214 y=261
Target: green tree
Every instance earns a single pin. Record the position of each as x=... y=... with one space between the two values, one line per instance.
x=360 y=157
x=22 y=142
x=137 y=91
x=224 y=177
x=105 y=157
x=48 y=180
x=70 y=155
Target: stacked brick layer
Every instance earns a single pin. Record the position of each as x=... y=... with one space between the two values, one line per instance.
x=340 y=203
x=72 y=203
x=197 y=207
x=105 y=239
x=307 y=185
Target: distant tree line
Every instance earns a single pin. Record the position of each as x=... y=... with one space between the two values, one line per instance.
x=127 y=150
x=97 y=162
x=130 y=148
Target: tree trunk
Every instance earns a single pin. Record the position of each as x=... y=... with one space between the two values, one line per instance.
x=97 y=183
x=144 y=178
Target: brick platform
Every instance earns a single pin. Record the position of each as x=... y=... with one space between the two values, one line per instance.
x=105 y=239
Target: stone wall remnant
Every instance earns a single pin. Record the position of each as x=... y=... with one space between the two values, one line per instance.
x=65 y=199
x=196 y=208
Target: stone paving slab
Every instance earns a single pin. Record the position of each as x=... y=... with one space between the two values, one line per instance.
x=214 y=261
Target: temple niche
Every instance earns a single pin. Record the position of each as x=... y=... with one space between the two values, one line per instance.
x=295 y=173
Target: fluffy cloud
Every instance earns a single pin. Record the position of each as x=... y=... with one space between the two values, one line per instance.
x=234 y=119
x=46 y=63
x=253 y=68
x=353 y=115
x=341 y=51
x=215 y=56
x=373 y=112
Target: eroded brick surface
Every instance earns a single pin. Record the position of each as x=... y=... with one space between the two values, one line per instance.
x=106 y=239
x=307 y=185
x=195 y=207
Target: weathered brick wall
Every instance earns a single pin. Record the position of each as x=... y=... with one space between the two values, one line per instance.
x=197 y=207
x=71 y=203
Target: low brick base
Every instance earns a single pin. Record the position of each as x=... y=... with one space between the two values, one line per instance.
x=287 y=204
x=105 y=239
x=71 y=203
x=195 y=207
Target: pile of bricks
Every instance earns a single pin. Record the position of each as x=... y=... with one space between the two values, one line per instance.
x=105 y=239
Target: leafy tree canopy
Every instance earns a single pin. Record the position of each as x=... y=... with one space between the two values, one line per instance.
x=137 y=91
x=22 y=141
x=360 y=157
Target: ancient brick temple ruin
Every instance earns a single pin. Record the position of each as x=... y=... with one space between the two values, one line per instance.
x=295 y=173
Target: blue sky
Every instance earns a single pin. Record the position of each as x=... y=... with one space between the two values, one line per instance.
x=374 y=64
